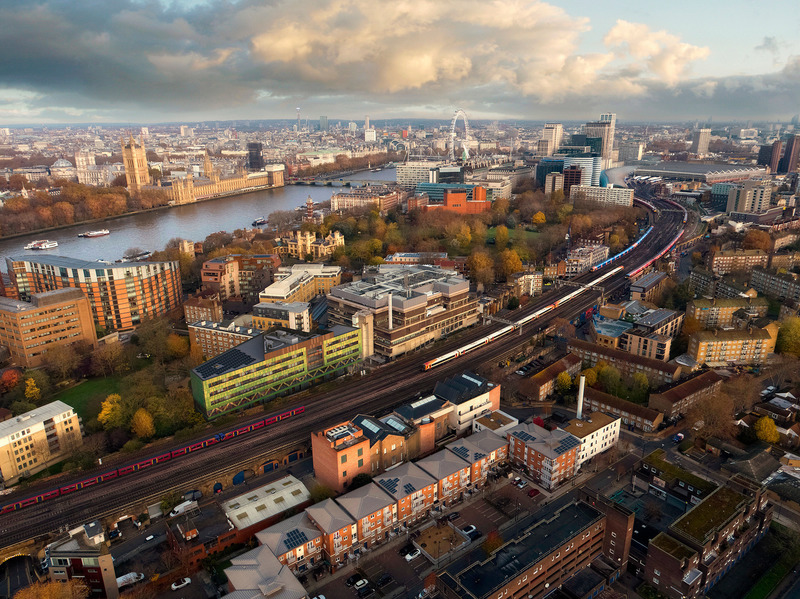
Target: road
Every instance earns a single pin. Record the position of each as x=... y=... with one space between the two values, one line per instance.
x=17 y=574
x=377 y=393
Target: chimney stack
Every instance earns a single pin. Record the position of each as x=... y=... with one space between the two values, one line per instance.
x=580 y=397
x=390 y=310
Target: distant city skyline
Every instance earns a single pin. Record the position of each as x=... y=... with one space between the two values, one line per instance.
x=165 y=61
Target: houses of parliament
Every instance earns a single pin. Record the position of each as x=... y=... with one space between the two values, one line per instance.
x=189 y=190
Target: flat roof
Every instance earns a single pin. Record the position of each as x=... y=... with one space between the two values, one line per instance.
x=23 y=421
x=672 y=546
x=478 y=578
x=495 y=420
x=731 y=335
x=656 y=317
x=266 y=501
x=709 y=515
x=296 y=307
x=609 y=327
x=670 y=472
x=67 y=262
x=649 y=280
x=724 y=302
x=592 y=423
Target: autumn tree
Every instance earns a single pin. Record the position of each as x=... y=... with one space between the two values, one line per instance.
x=757 y=240
x=177 y=346
x=509 y=263
x=641 y=386
x=112 y=412
x=9 y=379
x=789 y=337
x=142 y=424
x=501 y=237
x=715 y=413
x=610 y=379
x=591 y=377
x=766 y=430
x=62 y=360
x=107 y=359
x=539 y=218
x=32 y=392
x=481 y=267
x=563 y=382
x=74 y=588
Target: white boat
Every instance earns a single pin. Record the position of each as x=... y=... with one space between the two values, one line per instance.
x=99 y=233
x=41 y=244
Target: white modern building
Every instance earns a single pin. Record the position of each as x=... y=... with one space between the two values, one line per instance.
x=617 y=196
x=592 y=167
x=598 y=432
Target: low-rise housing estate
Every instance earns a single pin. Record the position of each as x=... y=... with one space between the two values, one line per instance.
x=657 y=371
x=549 y=456
x=677 y=399
x=732 y=346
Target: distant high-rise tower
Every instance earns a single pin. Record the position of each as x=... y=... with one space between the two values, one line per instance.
x=603 y=130
x=610 y=117
x=352 y=127
x=298 y=119
x=700 y=142
x=770 y=156
x=366 y=122
x=323 y=123
x=134 y=158
x=255 y=158
x=790 y=156
x=553 y=133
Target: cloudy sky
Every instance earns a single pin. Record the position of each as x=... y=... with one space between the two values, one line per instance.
x=167 y=60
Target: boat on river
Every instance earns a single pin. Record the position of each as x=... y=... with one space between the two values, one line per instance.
x=98 y=233
x=41 y=244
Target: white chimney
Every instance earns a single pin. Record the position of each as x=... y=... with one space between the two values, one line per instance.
x=390 y=311
x=580 y=397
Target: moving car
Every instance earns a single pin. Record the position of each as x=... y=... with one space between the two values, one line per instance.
x=181 y=583
x=149 y=538
x=677 y=438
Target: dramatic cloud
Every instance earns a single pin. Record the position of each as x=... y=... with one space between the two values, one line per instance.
x=147 y=60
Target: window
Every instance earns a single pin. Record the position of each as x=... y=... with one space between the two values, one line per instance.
x=360 y=451
x=655 y=580
x=657 y=573
x=344 y=459
x=344 y=473
x=360 y=463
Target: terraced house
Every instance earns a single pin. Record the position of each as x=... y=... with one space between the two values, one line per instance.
x=272 y=364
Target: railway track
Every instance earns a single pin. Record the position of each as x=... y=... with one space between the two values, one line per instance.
x=378 y=393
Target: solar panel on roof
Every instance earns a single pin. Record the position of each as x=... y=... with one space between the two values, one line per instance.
x=524 y=436
x=390 y=484
x=295 y=538
x=409 y=488
x=461 y=451
x=230 y=360
x=371 y=426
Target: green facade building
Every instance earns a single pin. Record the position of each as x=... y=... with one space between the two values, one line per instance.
x=274 y=363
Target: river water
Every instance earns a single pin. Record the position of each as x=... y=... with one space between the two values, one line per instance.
x=151 y=231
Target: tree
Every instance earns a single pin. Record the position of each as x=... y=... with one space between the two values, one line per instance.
x=112 y=412
x=640 y=386
x=563 y=382
x=142 y=424
x=610 y=379
x=62 y=360
x=107 y=359
x=481 y=267
x=177 y=346
x=591 y=376
x=757 y=240
x=513 y=303
x=321 y=493
x=789 y=337
x=501 y=237
x=539 y=218
x=74 y=588
x=152 y=335
x=509 y=263
x=32 y=392
x=716 y=414
x=766 y=430
x=9 y=379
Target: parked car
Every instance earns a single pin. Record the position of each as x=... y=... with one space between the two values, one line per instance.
x=475 y=535
x=453 y=516
x=366 y=592
x=533 y=492
x=406 y=549
x=354 y=579
x=360 y=584
x=522 y=484
x=468 y=529
x=113 y=534
x=149 y=538
x=384 y=580
x=516 y=480
x=320 y=597
x=181 y=583
x=519 y=372
x=413 y=555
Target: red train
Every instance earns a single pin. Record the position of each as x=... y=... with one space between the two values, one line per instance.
x=146 y=463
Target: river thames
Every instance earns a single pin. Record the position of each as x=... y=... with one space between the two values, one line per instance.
x=152 y=230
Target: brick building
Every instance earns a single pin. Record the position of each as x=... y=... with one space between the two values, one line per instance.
x=214 y=338
x=632 y=415
x=657 y=372
x=677 y=399
x=295 y=541
x=339 y=530
x=720 y=348
x=483 y=450
x=294 y=315
x=239 y=275
x=452 y=473
x=58 y=318
x=724 y=262
x=301 y=283
x=83 y=554
x=774 y=284
x=382 y=197
x=648 y=287
x=414 y=490
x=549 y=456
x=120 y=295
x=208 y=308
x=718 y=312
x=542 y=385
x=374 y=512
x=458 y=200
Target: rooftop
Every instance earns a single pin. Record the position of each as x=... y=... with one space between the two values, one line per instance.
x=672 y=546
x=405 y=479
x=41 y=300
x=479 y=576
x=295 y=307
x=495 y=420
x=680 y=391
x=210 y=522
x=737 y=302
x=593 y=423
x=67 y=262
x=420 y=408
x=614 y=402
x=265 y=502
x=289 y=534
x=365 y=500
x=442 y=464
x=709 y=515
x=552 y=371
x=730 y=335
x=35 y=416
x=610 y=328
x=461 y=388
x=477 y=446
x=619 y=355
x=329 y=516
x=649 y=280
x=669 y=472
x=654 y=318
x=549 y=443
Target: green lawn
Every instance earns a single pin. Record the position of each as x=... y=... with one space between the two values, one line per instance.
x=514 y=234
x=86 y=397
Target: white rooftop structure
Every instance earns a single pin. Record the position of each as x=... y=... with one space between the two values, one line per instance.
x=265 y=502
